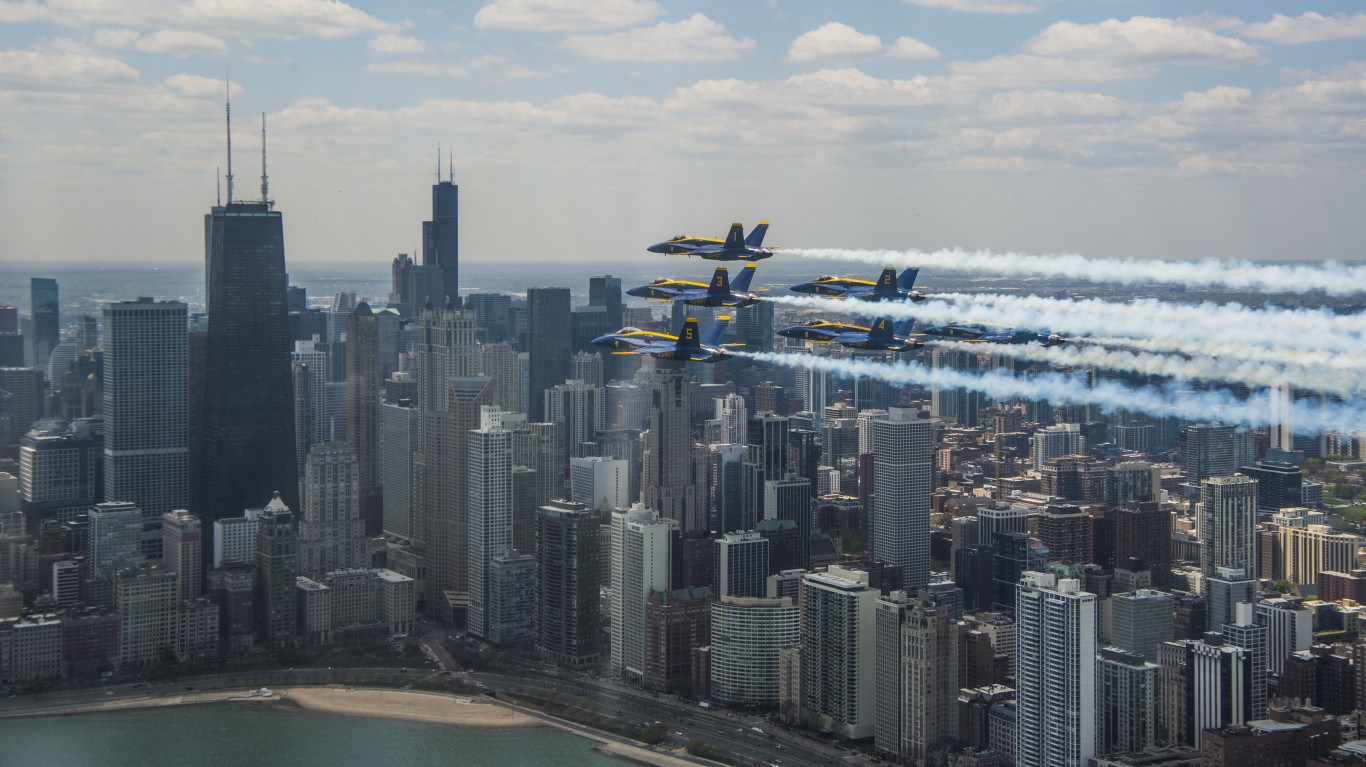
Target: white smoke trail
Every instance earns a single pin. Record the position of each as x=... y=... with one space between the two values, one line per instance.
x=1231 y=370
x=1059 y=388
x=1331 y=277
x=1242 y=351
x=1142 y=318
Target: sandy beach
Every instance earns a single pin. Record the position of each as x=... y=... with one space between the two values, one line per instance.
x=406 y=705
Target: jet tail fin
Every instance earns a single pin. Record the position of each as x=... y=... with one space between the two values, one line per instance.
x=716 y=330
x=720 y=282
x=744 y=278
x=736 y=239
x=904 y=327
x=881 y=330
x=907 y=279
x=688 y=337
x=887 y=283
x=756 y=237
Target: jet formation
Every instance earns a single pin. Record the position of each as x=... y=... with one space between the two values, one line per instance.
x=883 y=335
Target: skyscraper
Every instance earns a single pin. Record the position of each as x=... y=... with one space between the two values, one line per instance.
x=899 y=521
x=1126 y=695
x=669 y=481
x=578 y=407
x=747 y=634
x=1228 y=524
x=1143 y=530
x=45 y=309
x=568 y=539
x=183 y=551
x=362 y=405
x=441 y=237
x=1055 y=680
x=146 y=450
x=958 y=405
x=400 y=429
x=1210 y=450
x=754 y=327
x=331 y=533
x=640 y=567
x=741 y=565
x=549 y=344
x=929 y=673
x=837 y=651
x=248 y=448
x=277 y=567
x=489 y=510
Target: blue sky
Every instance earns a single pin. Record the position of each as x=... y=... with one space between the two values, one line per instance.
x=592 y=128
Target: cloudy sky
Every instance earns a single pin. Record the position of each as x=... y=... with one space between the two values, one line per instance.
x=592 y=128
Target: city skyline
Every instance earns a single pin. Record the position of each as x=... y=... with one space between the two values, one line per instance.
x=1147 y=130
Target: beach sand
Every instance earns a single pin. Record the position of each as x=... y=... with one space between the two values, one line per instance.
x=404 y=704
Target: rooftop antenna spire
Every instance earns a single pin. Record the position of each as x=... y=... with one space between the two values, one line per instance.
x=450 y=158
x=218 y=183
x=438 y=163
x=265 y=196
x=228 y=112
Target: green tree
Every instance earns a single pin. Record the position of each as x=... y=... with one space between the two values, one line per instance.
x=1283 y=586
x=653 y=733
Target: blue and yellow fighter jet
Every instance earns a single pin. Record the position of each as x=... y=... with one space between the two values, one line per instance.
x=736 y=246
x=884 y=335
x=688 y=345
x=888 y=287
x=981 y=333
x=721 y=291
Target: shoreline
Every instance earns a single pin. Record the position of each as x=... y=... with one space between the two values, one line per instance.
x=378 y=703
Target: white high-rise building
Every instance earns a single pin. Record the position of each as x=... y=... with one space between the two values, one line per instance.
x=578 y=407
x=640 y=565
x=146 y=437
x=1228 y=524
x=1054 y=441
x=733 y=415
x=595 y=480
x=837 y=651
x=489 y=511
x=747 y=634
x=1055 y=679
x=899 y=520
x=1289 y=629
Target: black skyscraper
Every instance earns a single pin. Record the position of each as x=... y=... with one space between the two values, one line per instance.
x=548 y=342
x=46 y=320
x=441 y=235
x=248 y=424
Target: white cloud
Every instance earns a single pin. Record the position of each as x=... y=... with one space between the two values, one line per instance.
x=697 y=38
x=565 y=15
x=833 y=40
x=1053 y=104
x=1219 y=100
x=389 y=42
x=1026 y=71
x=977 y=6
x=1308 y=27
x=283 y=19
x=181 y=43
x=911 y=48
x=62 y=66
x=197 y=86
x=1143 y=39
x=422 y=67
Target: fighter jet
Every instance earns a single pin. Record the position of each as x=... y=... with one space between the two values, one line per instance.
x=721 y=291
x=685 y=346
x=889 y=287
x=736 y=246
x=882 y=336
x=977 y=332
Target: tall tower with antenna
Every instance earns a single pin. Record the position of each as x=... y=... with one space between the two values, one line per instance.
x=245 y=450
x=441 y=235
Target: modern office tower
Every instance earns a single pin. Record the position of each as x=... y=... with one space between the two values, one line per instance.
x=733 y=414
x=1289 y=629
x=1210 y=451
x=1223 y=592
x=1055 y=677
x=588 y=367
x=1204 y=684
x=605 y=291
x=441 y=237
x=578 y=407
x=145 y=598
x=1228 y=524
x=627 y=405
x=277 y=567
x=115 y=538
x=741 y=565
x=899 y=520
x=1076 y=478
x=248 y=417
x=489 y=510
x=308 y=409
x=1243 y=631
x=1279 y=485
x=669 y=483
x=568 y=537
x=1144 y=531
x=1126 y=698
x=837 y=648
x=890 y=613
x=1140 y=621
x=549 y=342
x=1064 y=531
x=526 y=491
x=1310 y=550
x=363 y=376
x=45 y=308
x=400 y=438
x=640 y=567
x=788 y=500
x=146 y=449
x=754 y=327
x=804 y=455
x=961 y=406
x=538 y=446
x=498 y=363
x=1054 y=441
x=726 y=488
x=1001 y=518
x=60 y=466
x=182 y=549
x=493 y=313
x=929 y=672
x=1014 y=556
x=747 y=634
x=511 y=587
x=596 y=481
x=331 y=531
x=767 y=457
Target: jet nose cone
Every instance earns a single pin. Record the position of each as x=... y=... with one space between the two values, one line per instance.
x=802 y=288
x=659 y=247
x=607 y=340
x=790 y=333
x=640 y=292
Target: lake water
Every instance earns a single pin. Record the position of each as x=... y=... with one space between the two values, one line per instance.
x=270 y=736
